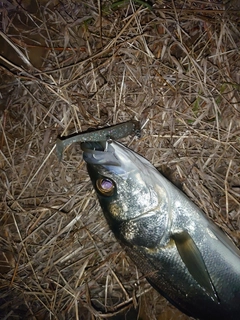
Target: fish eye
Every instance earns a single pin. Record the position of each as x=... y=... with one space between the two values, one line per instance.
x=105 y=186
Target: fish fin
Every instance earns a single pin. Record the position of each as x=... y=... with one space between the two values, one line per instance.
x=224 y=239
x=193 y=260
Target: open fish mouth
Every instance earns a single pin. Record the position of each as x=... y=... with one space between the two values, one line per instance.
x=100 y=153
x=94 y=146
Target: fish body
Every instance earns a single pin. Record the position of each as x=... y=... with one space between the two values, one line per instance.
x=183 y=255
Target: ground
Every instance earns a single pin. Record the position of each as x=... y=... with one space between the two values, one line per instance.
x=69 y=66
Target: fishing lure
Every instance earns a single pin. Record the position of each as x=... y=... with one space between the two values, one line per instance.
x=115 y=132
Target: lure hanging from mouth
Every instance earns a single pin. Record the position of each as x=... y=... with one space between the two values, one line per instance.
x=184 y=256
x=113 y=132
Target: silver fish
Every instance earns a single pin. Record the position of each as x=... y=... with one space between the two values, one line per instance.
x=183 y=255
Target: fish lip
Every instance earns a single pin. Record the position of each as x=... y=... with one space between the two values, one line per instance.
x=100 y=153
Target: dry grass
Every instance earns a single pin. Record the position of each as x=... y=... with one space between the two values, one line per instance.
x=72 y=65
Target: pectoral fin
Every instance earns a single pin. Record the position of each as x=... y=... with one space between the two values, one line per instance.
x=192 y=258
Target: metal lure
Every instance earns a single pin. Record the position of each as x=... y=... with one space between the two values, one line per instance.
x=184 y=256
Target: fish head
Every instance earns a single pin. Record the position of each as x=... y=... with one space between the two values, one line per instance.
x=125 y=184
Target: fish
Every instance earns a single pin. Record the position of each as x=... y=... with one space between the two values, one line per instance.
x=183 y=255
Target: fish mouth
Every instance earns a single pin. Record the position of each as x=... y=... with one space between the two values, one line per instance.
x=114 y=157
x=100 y=153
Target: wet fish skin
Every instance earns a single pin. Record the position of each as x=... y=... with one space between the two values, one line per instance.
x=184 y=256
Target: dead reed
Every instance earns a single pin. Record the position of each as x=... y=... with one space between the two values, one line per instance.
x=72 y=65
